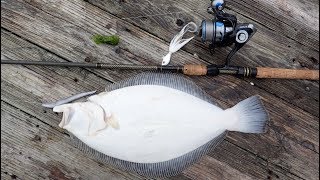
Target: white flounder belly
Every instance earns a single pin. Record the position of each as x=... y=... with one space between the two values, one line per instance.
x=156 y=123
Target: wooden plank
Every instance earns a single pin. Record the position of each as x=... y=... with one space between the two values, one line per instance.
x=41 y=149
x=29 y=145
x=204 y=168
x=13 y=94
x=30 y=100
x=157 y=43
x=239 y=83
x=287 y=21
x=272 y=171
x=16 y=91
x=282 y=139
x=299 y=20
x=268 y=47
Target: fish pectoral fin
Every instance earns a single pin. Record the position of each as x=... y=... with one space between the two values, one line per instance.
x=112 y=121
x=67 y=113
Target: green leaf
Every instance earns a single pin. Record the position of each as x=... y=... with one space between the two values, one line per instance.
x=101 y=39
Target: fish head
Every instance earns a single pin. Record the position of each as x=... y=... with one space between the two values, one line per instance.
x=85 y=118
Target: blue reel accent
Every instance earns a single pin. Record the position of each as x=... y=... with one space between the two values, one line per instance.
x=219 y=24
x=203 y=36
x=218 y=4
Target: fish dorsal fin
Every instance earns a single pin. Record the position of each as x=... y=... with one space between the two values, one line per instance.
x=171 y=80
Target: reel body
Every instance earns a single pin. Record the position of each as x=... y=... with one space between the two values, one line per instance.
x=224 y=30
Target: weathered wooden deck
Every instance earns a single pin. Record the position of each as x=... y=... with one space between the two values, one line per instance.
x=34 y=147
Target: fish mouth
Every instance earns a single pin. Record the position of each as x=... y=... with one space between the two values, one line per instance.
x=67 y=112
x=86 y=118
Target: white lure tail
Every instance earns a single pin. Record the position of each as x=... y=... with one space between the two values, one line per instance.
x=177 y=42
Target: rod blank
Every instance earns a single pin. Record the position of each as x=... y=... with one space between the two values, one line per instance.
x=192 y=70
x=49 y=63
x=95 y=65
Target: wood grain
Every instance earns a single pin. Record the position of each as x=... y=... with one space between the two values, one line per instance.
x=65 y=29
x=278 y=46
x=288 y=18
x=13 y=95
x=29 y=145
x=17 y=95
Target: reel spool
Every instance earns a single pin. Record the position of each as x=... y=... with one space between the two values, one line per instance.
x=223 y=30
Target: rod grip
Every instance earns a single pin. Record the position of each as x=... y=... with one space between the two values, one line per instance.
x=277 y=73
x=195 y=70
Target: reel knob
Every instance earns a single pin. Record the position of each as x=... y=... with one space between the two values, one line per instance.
x=242 y=36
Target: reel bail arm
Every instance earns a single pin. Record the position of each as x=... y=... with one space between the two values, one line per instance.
x=223 y=30
x=242 y=35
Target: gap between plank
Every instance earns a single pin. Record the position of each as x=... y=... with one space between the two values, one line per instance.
x=32 y=116
x=264 y=159
x=112 y=81
x=59 y=56
x=92 y=72
x=264 y=89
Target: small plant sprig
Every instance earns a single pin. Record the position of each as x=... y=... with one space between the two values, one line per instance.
x=102 y=39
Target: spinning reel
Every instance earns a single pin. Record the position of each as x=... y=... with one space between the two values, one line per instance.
x=223 y=30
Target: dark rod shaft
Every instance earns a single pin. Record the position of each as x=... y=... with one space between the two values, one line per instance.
x=95 y=65
x=46 y=63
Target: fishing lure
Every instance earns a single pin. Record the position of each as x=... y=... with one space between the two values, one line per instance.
x=156 y=124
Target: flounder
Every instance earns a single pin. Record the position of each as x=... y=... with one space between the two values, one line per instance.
x=156 y=124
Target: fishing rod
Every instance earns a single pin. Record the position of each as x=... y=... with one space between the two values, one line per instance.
x=190 y=69
x=221 y=31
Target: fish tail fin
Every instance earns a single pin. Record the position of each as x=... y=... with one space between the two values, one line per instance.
x=249 y=116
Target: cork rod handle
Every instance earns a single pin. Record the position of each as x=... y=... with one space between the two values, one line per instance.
x=195 y=70
x=278 y=73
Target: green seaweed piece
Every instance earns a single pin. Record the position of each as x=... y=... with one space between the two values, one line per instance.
x=101 y=39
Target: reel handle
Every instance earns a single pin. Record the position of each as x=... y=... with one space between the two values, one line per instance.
x=278 y=73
